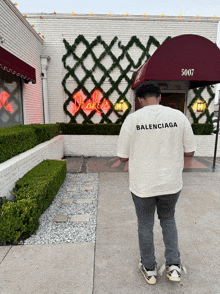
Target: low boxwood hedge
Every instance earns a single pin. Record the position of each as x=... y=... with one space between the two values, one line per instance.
x=18 y=139
x=114 y=129
x=34 y=193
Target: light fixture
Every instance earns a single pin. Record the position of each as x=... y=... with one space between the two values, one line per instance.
x=200 y=106
x=120 y=106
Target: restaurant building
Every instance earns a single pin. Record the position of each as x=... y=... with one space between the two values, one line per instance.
x=80 y=68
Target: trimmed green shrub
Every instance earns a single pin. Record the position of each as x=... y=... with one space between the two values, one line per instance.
x=15 y=141
x=202 y=129
x=114 y=129
x=33 y=193
x=18 y=139
x=90 y=129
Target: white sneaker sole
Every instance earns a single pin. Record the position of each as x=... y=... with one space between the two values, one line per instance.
x=173 y=279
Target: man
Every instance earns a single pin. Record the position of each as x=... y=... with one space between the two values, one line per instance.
x=155 y=140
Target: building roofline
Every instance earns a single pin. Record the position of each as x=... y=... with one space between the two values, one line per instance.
x=122 y=17
x=23 y=19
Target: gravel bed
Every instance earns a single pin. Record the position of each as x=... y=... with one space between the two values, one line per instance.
x=50 y=232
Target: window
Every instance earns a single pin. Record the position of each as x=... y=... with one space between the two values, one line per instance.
x=11 y=113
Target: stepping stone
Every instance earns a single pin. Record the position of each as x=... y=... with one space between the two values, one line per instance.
x=67 y=201
x=80 y=218
x=86 y=188
x=84 y=201
x=89 y=180
x=70 y=189
x=61 y=219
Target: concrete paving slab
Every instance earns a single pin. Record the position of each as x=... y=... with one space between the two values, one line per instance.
x=117 y=250
x=75 y=180
x=87 y=188
x=61 y=219
x=4 y=251
x=48 y=269
x=74 y=164
x=70 y=189
x=80 y=218
x=84 y=201
x=67 y=201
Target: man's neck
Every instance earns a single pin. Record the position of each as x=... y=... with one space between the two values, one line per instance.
x=149 y=103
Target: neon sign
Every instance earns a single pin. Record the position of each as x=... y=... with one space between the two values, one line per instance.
x=4 y=102
x=92 y=104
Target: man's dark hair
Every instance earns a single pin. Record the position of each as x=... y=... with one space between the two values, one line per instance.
x=148 y=89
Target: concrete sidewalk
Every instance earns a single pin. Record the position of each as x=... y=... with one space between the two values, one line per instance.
x=111 y=265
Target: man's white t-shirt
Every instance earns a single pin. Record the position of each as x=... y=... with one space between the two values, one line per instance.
x=154 y=138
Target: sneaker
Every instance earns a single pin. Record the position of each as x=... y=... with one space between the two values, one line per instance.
x=149 y=275
x=173 y=272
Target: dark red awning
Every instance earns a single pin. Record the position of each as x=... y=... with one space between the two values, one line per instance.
x=13 y=64
x=183 y=58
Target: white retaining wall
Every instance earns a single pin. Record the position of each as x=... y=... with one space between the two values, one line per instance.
x=75 y=145
x=15 y=168
x=103 y=145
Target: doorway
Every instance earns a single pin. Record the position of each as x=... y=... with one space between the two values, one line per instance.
x=173 y=100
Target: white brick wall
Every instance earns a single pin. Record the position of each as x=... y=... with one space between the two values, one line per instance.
x=22 y=41
x=90 y=145
x=16 y=167
x=57 y=27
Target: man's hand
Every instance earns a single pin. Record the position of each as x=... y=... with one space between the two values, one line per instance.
x=123 y=159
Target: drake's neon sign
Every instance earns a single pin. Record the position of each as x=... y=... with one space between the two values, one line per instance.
x=92 y=104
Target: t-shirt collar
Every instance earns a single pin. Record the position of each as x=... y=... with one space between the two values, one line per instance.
x=154 y=105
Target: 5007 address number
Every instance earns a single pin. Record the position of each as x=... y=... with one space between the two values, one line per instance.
x=187 y=72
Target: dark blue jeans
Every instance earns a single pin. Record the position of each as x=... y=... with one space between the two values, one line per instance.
x=145 y=209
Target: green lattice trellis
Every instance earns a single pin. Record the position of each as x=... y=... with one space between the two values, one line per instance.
x=198 y=95
x=79 y=61
x=106 y=73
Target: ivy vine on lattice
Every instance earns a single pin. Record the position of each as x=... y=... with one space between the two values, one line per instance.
x=198 y=95
x=114 y=84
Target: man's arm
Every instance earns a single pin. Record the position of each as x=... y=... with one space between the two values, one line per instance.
x=123 y=159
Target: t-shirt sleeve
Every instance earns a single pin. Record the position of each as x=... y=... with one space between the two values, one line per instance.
x=189 y=141
x=123 y=145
